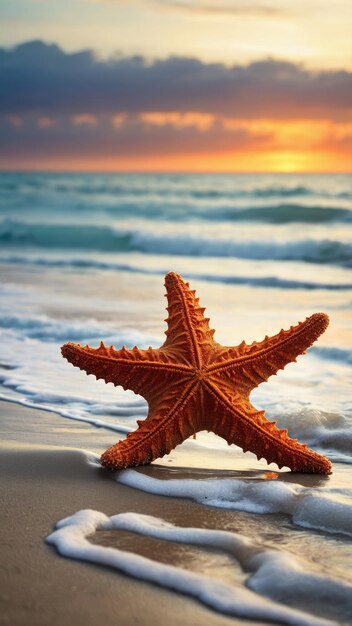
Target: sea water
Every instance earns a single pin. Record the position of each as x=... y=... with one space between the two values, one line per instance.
x=82 y=259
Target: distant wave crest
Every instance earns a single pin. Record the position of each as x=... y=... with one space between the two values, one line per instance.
x=282 y=214
x=46 y=329
x=343 y=355
x=254 y=281
x=105 y=239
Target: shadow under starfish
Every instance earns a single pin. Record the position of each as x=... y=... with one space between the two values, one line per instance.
x=193 y=383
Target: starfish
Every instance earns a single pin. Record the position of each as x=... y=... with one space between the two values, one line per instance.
x=193 y=383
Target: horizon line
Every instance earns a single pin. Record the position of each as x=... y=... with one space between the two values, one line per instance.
x=172 y=172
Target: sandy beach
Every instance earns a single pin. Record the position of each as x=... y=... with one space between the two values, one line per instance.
x=44 y=483
x=45 y=477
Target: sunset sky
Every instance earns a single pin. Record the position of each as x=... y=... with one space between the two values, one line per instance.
x=176 y=85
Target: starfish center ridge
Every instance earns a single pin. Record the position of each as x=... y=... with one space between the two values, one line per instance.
x=200 y=374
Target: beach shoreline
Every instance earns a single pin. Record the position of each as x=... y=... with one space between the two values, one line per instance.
x=48 y=474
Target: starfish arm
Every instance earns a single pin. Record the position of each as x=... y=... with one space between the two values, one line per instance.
x=245 y=426
x=133 y=369
x=255 y=363
x=169 y=422
x=188 y=330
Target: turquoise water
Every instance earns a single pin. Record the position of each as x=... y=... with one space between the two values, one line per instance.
x=261 y=217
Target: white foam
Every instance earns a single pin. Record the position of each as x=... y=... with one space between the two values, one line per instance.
x=230 y=279
x=329 y=431
x=288 y=576
x=45 y=328
x=328 y=511
x=34 y=365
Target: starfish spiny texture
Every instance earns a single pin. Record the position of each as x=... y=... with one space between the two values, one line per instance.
x=192 y=383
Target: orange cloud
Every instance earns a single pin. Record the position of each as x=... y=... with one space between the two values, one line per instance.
x=118 y=119
x=202 y=121
x=84 y=119
x=177 y=113
x=46 y=122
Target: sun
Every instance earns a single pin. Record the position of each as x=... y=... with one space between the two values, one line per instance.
x=288 y=162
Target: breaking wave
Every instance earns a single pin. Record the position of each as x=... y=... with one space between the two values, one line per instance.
x=106 y=239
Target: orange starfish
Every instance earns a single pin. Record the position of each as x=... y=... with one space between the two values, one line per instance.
x=192 y=383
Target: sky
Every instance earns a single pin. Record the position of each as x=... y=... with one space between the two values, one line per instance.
x=176 y=85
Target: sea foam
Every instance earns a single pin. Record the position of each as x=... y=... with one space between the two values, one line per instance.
x=306 y=507
x=85 y=263
x=276 y=579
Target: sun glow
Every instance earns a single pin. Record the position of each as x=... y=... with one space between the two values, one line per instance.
x=277 y=162
x=186 y=141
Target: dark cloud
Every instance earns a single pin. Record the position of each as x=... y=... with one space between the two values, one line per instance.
x=42 y=79
x=132 y=138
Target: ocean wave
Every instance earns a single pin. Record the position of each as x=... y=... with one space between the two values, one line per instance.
x=273 y=191
x=47 y=329
x=141 y=186
x=329 y=431
x=271 y=282
x=93 y=188
x=166 y=186
x=159 y=208
x=106 y=239
x=343 y=355
x=64 y=236
x=280 y=214
x=344 y=195
x=266 y=214
x=168 y=204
